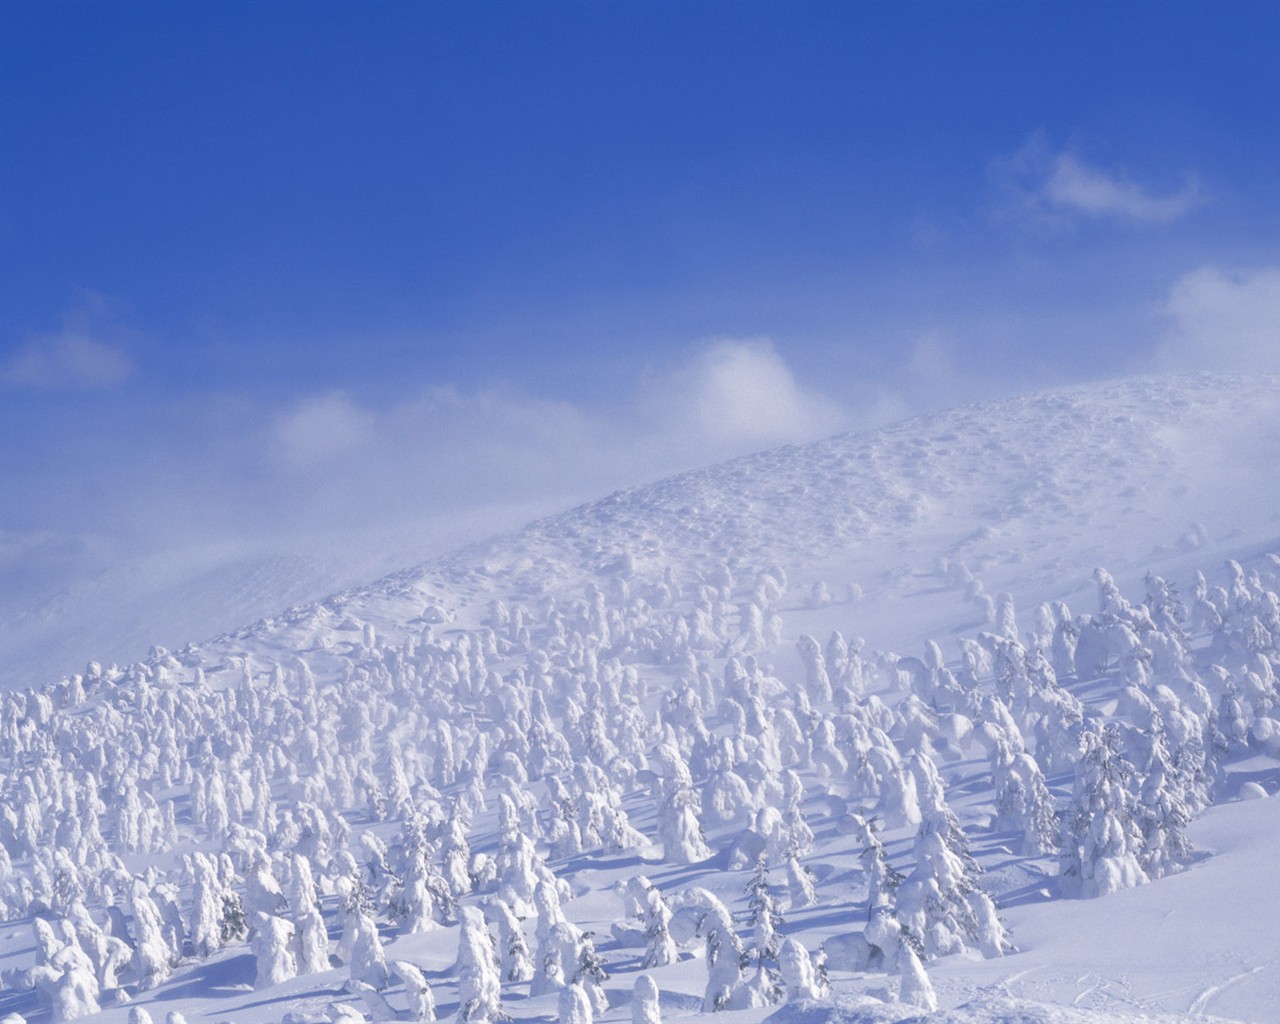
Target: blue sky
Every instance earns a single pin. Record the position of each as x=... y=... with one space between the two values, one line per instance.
x=303 y=267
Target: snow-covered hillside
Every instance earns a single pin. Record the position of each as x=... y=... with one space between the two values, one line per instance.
x=934 y=716
x=62 y=603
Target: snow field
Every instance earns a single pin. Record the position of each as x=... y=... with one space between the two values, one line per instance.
x=444 y=794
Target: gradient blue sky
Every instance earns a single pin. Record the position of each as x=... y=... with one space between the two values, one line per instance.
x=291 y=267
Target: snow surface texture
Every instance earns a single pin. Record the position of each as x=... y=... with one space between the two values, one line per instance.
x=526 y=778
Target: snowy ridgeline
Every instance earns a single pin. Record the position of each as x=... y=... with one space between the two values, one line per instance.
x=417 y=825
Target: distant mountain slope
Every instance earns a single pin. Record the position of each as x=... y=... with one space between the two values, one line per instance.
x=59 y=610
x=1030 y=493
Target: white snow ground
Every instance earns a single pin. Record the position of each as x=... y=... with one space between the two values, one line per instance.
x=1028 y=497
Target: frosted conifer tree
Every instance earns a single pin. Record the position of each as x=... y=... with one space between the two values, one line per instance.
x=311 y=938
x=361 y=945
x=152 y=959
x=723 y=956
x=1101 y=842
x=940 y=901
x=1023 y=802
x=798 y=974
x=660 y=948
x=423 y=898
x=555 y=958
x=479 y=984
x=69 y=986
x=574 y=1006
x=764 y=914
x=882 y=878
x=513 y=951
x=645 y=1008
x=1162 y=817
x=207 y=907
x=456 y=852
x=589 y=972
x=678 y=809
x=914 y=987
x=817 y=681
x=272 y=939
x=262 y=891
x=422 y=1003
x=800 y=883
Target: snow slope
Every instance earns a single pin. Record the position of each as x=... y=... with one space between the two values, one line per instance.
x=907 y=529
x=63 y=603
x=1031 y=494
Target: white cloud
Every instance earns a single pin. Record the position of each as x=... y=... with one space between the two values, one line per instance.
x=66 y=361
x=443 y=447
x=1074 y=185
x=83 y=356
x=1055 y=190
x=320 y=429
x=736 y=395
x=1222 y=319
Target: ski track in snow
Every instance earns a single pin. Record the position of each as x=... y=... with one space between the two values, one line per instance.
x=1201 y=1002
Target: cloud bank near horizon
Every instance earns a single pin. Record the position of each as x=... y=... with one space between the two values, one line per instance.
x=210 y=468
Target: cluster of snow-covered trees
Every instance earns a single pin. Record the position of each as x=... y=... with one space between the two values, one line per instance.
x=157 y=815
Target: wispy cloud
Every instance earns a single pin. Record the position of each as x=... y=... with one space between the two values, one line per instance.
x=321 y=428
x=83 y=355
x=1224 y=319
x=1055 y=190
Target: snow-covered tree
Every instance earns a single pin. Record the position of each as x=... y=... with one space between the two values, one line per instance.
x=1101 y=842
x=678 y=809
x=422 y=1002
x=914 y=987
x=311 y=937
x=360 y=948
x=479 y=983
x=660 y=949
x=723 y=956
x=799 y=977
x=882 y=878
x=513 y=951
x=271 y=944
x=800 y=883
x=764 y=915
x=1023 y=802
x=645 y=1008
x=574 y=1006
x=152 y=957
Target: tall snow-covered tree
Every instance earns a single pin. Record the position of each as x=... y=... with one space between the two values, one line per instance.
x=479 y=983
x=1101 y=841
x=645 y=1008
x=271 y=944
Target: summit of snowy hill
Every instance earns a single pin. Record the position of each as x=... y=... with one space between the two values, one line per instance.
x=1084 y=469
